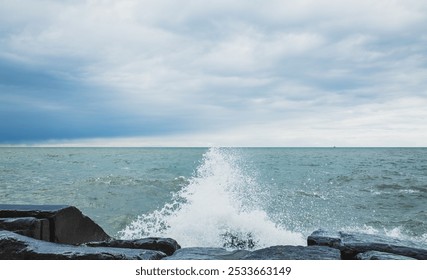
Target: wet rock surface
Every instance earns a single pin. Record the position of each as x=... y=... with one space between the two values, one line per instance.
x=294 y=253
x=18 y=247
x=376 y=255
x=165 y=245
x=28 y=226
x=207 y=253
x=351 y=244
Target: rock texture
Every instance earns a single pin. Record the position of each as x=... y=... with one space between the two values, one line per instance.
x=207 y=253
x=351 y=244
x=18 y=247
x=66 y=223
x=165 y=245
x=29 y=226
x=294 y=253
x=270 y=253
x=376 y=255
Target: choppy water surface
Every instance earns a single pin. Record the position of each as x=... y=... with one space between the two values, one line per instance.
x=240 y=198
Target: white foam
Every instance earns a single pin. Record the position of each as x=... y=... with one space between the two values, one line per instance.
x=221 y=206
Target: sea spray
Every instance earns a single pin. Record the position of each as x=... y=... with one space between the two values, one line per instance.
x=221 y=206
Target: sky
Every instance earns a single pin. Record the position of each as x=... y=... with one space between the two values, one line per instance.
x=213 y=73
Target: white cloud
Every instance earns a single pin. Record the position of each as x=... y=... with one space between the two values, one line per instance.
x=271 y=71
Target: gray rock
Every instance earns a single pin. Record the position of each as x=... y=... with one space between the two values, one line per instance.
x=270 y=253
x=29 y=226
x=67 y=224
x=207 y=253
x=376 y=255
x=294 y=253
x=18 y=247
x=165 y=245
x=351 y=244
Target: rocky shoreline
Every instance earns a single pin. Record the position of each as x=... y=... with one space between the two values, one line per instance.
x=59 y=232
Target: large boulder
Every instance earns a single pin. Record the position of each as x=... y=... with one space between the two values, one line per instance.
x=18 y=247
x=207 y=253
x=351 y=244
x=67 y=224
x=294 y=253
x=165 y=245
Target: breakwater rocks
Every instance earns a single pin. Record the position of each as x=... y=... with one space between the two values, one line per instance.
x=367 y=246
x=55 y=232
x=18 y=247
x=54 y=223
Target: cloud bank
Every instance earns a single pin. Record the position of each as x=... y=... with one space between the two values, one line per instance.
x=184 y=73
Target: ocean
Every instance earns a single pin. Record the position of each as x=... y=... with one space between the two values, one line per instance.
x=227 y=197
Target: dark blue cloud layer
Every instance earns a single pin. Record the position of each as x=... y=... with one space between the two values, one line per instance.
x=37 y=105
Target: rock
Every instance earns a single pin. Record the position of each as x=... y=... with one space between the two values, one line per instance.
x=294 y=253
x=29 y=226
x=18 y=247
x=207 y=253
x=325 y=238
x=165 y=245
x=270 y=253
x=376 y=255
x=351 y=244
x=67 y=224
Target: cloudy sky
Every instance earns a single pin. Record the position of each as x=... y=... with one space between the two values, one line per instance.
x=223 y=73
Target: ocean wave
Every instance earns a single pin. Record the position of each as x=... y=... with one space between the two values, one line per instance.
x=220 y=207
x=388 y=186
x=394 y=232
x=120 y=180
x=311 y=194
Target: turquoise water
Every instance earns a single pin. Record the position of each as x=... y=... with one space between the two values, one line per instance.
x=212 y=197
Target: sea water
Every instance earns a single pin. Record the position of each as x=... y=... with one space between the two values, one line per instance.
x=228 y=197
